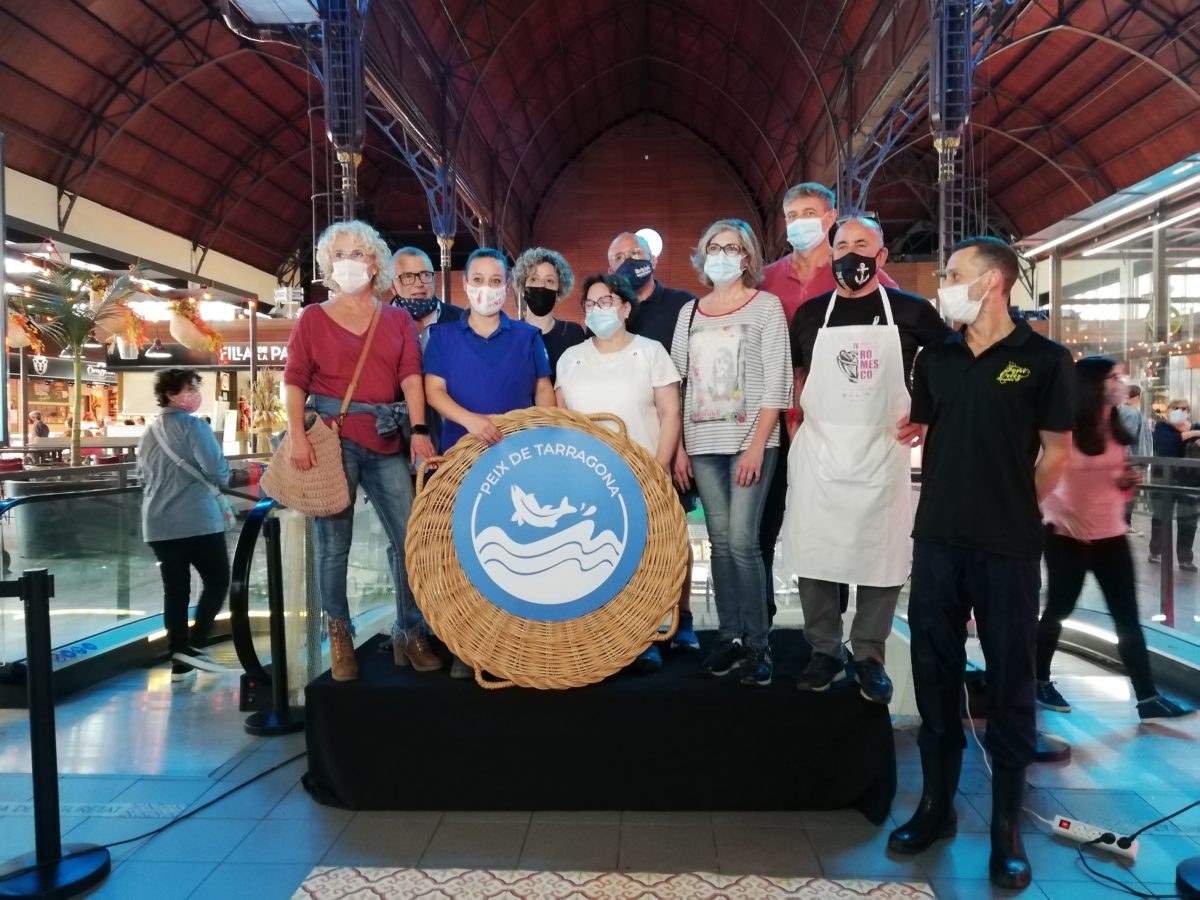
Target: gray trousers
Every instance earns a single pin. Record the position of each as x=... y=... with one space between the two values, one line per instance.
x=823 y=618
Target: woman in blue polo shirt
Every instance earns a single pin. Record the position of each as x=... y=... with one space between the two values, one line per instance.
x=484 y=364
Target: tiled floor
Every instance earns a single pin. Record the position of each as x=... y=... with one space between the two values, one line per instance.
x=137 y=750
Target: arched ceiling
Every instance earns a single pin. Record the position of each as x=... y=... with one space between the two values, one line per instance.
x=155 y=108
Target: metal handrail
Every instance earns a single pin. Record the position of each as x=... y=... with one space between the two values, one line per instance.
x=239 y=590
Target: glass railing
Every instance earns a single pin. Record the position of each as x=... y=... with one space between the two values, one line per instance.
x=84 y=526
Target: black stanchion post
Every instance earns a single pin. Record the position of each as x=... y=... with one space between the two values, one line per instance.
x=282 y=719
x=47 y=872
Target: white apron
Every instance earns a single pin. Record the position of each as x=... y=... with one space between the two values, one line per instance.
x=849 y=501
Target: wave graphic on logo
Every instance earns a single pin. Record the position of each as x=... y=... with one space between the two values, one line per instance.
x=556 y=569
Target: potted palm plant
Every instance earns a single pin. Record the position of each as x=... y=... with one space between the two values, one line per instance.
x=61 y=302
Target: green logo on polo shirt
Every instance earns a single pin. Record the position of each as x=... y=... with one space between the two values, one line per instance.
x=1012 y=374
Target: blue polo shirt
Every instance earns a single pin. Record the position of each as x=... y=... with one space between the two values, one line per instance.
x=491 y=375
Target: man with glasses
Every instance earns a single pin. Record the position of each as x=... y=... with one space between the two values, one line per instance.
x=1178 y=437
x=412 y=280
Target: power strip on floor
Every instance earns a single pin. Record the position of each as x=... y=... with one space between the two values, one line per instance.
x=1100 y=838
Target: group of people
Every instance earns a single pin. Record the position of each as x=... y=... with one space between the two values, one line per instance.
x=792 y=420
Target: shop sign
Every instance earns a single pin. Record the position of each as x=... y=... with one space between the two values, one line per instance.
x=239 y=354
x=550 y=524
x=61 y=368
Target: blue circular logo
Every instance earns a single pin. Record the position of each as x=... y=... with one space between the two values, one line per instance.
x=550 y=524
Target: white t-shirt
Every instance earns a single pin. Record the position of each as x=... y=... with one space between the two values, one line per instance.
x=621 y=383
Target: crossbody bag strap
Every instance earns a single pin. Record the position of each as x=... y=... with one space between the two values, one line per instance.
x=154 y=430
x=362 y=358
x=687 y=355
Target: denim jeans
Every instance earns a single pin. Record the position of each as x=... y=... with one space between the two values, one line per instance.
x=385 y=478
x=732 y=515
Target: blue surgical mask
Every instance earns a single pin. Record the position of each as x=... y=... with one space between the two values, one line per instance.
x=603 y=323
x=805 y=234
x=723 y=269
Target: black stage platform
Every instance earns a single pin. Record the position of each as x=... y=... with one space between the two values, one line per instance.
x=678 y=739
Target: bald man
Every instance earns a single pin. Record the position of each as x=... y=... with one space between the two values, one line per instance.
x=658 y=306
x=848 y=516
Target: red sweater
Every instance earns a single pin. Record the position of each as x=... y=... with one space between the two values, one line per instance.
x=322 y=356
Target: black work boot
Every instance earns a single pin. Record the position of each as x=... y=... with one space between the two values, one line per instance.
x=935 y=817
x=1009 y=866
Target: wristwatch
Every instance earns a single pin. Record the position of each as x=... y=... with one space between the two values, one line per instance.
x=420 y=429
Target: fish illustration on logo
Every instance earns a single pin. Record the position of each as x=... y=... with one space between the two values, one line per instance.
x=550 y=561
x=526 y=510
x=848 y=361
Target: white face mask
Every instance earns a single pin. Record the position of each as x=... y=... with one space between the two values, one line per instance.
x=487 y=301
x=957 y=305
x=351 y=275
x=1177 y=416
x=805 y=234
x=1116 y=391
x=723 y=269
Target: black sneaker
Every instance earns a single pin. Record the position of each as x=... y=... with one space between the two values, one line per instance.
x=822 y=671
x=873 y=681
x=1160 y=709
x=1187 y=567
x=728 y=655
x=1154 y=558
x=198 y=659
x=757 y=668
x=1048 y=697
x=182 y=671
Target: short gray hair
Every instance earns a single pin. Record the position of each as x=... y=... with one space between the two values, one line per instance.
x=810 y=189
x=534 y=257
x=753 y=273
x=370 y=241
x=413 y=251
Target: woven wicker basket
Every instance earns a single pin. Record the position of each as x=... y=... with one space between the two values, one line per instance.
x=542 y=654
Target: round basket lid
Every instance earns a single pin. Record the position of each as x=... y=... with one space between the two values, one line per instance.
x=551 y=559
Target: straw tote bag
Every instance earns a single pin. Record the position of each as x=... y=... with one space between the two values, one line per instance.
x=321 y=490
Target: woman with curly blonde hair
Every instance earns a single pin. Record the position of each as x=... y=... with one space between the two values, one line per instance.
x=323 y=353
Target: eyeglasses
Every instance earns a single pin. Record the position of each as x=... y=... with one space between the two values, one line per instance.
x=607 y=301
x=360 y=255
x=412 y=277
x=727 y=249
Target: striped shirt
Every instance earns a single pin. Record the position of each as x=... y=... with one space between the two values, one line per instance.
x=734 y=365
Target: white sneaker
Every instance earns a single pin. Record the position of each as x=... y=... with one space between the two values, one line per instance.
x=198 y=659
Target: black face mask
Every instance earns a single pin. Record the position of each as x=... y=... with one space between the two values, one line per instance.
x=853 y=271
x=540 y=300
x=417 y=308
x=636 y=271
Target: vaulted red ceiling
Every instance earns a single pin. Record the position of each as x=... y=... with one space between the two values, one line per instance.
x=155 y=108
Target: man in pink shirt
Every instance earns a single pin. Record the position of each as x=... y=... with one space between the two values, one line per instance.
x=810 y=211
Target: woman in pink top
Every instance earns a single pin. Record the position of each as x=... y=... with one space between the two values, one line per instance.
x=323 y=352
x=1085 y=532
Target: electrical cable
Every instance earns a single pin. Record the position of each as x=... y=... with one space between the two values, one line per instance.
x=1128 y=889
x=16 y=873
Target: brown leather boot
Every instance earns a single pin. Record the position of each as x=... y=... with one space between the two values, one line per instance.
x=417 y=651
x=343 y=664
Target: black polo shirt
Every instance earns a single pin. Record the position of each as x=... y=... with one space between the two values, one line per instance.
x=984 y=414
x=915 y=317
x=655 y=317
